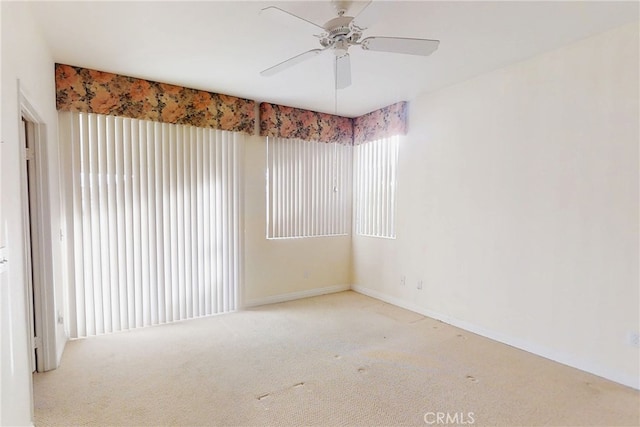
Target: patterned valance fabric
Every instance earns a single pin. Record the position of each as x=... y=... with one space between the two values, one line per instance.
x=382 y=123
x=289 y=122
x=90 y=91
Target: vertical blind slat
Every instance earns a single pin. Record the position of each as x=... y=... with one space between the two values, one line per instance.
x=206 y=249
x=219 y=240
x=114 y=314
x=227 y=221
x=120 y=280
x=164 y=246
x=93 y=226
x=128 y=224
x=137 y=208
x=77 y=308
x=173 y=209
x=155 y=222
x=213 y=243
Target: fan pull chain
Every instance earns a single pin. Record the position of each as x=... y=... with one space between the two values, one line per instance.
x=335 y=85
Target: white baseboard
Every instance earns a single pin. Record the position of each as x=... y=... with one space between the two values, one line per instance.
x=545 y=352
x=295 y=295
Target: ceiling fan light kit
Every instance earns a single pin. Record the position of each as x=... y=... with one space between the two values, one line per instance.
x=340 y=33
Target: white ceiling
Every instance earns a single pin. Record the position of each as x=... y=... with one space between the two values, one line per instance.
x=221 y=46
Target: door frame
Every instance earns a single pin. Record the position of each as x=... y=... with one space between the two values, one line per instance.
x=38 y=247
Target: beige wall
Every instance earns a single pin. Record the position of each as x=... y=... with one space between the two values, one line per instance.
x=25 y=57
x=518 y=207
x=281 y=269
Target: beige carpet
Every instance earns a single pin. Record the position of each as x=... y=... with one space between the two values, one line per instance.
x=341 y=360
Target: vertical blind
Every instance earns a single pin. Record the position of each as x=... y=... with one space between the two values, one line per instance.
x=153 y=229
x=375 y=165
x=308 y=188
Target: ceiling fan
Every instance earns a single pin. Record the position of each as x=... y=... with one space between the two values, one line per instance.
x=341 y=33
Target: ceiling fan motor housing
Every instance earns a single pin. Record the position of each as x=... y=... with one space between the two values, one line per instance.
x=338 y=26
x=340 y=34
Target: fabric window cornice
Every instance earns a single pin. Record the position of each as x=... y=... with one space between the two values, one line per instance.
x=90 y=91
x=295 y=123
x=383 y=123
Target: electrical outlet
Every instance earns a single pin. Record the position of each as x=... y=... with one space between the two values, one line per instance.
x=403 y=280
x=633 y=339
x=419 y=284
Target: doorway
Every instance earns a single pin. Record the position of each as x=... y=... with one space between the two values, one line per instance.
x=38 y=239
x=32 y=262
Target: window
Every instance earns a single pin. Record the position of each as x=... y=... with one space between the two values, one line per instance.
x=153 y=221
x=375 y=165
x=308 y=188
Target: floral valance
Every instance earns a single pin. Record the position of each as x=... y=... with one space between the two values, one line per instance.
x=382 y=123
x=289 y=122
x=90 y=91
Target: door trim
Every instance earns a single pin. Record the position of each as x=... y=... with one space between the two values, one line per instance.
x=41 y=245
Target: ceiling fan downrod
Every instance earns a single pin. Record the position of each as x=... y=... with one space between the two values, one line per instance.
x=341 y=6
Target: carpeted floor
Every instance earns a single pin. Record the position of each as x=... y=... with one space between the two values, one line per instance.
x=337 y=360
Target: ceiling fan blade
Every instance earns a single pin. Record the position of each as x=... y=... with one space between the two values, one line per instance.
x=277 y=12
x=409 y=46
x=290 y=62
x=360 y=7
x=343 y=71
x=372 y=12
